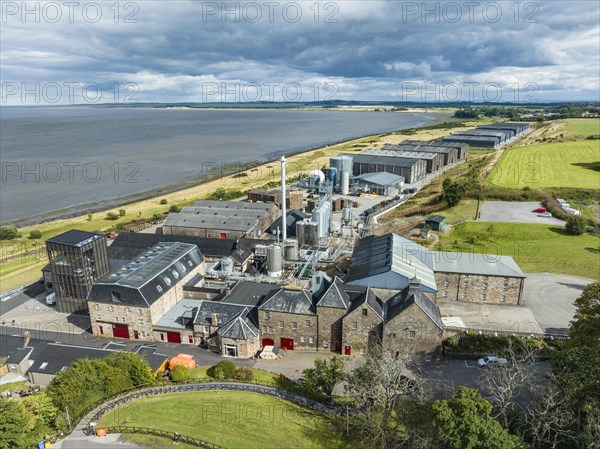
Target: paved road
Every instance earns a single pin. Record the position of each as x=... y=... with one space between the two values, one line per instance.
x=551 y=297
x=514 y=212
x=30 y=291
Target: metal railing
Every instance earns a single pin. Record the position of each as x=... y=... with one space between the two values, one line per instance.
x=175 y=436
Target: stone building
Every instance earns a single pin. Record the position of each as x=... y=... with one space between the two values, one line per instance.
x=288 y=319
x=331 y=308
x=129 y=301
x=293 y=199
x=413 y=323
x=362 y=325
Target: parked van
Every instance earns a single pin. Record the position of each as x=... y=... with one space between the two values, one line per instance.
x=51 y=299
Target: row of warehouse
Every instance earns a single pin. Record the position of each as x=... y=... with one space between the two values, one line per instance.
x=489 y=136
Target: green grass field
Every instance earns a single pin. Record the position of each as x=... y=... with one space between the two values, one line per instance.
x=229 y=418
x=562 y=164
x=581 y=128
x=536 y=248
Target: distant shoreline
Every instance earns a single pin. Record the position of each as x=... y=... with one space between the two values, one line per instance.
x=106 y=205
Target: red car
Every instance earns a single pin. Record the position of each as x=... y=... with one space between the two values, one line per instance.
x=540 y=210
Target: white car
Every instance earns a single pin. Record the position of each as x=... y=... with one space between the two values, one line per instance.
x=545 y=214
x=491 y=360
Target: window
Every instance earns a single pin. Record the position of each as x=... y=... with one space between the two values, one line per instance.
x=306 y=323
x=503 y=298
x=264 y=329
x=96 y=306
x=141 y=322
x=44 y=365
x=190 y=339
x=207 y=329
x=281 y=325
x=162 y=337
x=100 y=330
x=294 y=325
x=412 y=334
x=139 y=311
x=111 y=308
x=325 y=343
x=175 y=274
x=446 y=283
x=303 y=339
x=270 y=329
x=393 y=335
x=115 y=296
x=167 y=280
x=365 y=312
x=445 y=295
x=98 y=317
x=354 y=325
x=159 y=288
x=311 y=340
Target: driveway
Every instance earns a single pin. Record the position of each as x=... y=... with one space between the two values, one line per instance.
x=551 y=297
x=514 y=212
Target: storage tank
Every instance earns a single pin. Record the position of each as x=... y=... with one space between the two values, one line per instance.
x=274 y=261
x=315 y=177
x=226 y=265
x=346 y=163
x=291 y=249
x=346 y=214
x=345 y=182
x=312 y=234
x=332 y=175
x=336 y=162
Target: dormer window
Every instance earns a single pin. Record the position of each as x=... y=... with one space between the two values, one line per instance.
x=115 y=296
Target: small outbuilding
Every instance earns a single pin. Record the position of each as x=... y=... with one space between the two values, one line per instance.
x=436 y=222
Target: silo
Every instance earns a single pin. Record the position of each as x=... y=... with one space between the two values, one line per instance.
x=331 y=176
x=346 y=163
x=274 y=261
x=291 y=249
x=315 y=177
x=312 y=234
x=226 y=265
x=336 y=162
x=346 y=214
x=345 y=182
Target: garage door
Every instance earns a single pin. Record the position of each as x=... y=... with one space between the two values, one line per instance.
x=268 y=342
x=121 y=330
x=287 y=343
x=173 y=337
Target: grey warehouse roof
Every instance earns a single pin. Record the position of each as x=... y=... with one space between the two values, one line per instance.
x=387 y=160
x=173 y=317
x=147 y=278
x=289 y=301
x=75 y=237
x=419 y=148
x=226 y=222
x=380 y=178
x=248 y=293
x=235 y=205
x=401 y=153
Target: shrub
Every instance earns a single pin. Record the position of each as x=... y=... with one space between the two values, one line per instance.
x=179 y=373
x=157 y=216
x=122 y=212
x=8 y=233
x=243 y=374
x=576 y=225
x=111 y=216
x=163 y=201
x=174 y=208
x=225 y=369
x=89 y=217
x=35 y=234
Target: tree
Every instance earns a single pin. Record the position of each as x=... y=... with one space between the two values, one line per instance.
x=174 y=208
x=43 y=411
x=576 y=225
x=225 y=369
x=122 y=212
x=111 y=216
x=326 y=374
x=467 y=423
x=8 y=233
x=585 y=327
x=15 y=425
x=179 y=373
x=35 y=234
x=163 y=201
x=136 y=366
x=452 y=192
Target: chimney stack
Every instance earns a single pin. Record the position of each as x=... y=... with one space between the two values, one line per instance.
x=283 y=201
x=214 y=321
x=26 y=338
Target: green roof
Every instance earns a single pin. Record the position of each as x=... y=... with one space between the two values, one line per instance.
x=436 y=218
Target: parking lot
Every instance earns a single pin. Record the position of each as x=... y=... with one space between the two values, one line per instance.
x=515 y=212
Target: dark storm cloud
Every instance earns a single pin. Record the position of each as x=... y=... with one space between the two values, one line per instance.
x=366 y=48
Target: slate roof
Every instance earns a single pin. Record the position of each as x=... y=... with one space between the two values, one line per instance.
x=235 y=205
x=290 y=301
x=240 y=327
x=221 y=222
x=142 y=281
x=56 y=357
x=335 y=296
x=224 y=311
x=241 y=255
x=75 y=237
x=406 y=298
x=470 y=263
x=248 y=293
x=435 y=143
x=11 y=348
x=371 y=300
x=293 y=217
x=386 y=160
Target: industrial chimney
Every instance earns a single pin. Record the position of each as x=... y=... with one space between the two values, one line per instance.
x=283 y=205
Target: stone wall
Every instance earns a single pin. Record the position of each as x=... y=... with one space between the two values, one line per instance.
x=357 y=328
x=478 y=288
x=279 y=325
x=413 y=331
x=330 y=328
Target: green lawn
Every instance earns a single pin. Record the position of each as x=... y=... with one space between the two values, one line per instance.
x=230 y=418
x=15 y=386
x=464 y=211
x=579 y=128
x=536 y=248
x=562 y=164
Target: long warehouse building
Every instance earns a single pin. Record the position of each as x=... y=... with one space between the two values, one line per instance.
x=412 y=170
x=450 y=154
x=461 y=148
x=434 y=160
x=474 y=141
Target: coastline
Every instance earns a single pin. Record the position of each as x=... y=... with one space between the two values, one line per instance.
x=82 y=209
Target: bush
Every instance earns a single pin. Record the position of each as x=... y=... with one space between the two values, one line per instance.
x=111 y=216
x=243 y=374
x=35 y=234
x=225 y=369
x=122 y=212
x=174 y=208
x=157 y=217
x=89 y=217
x=179 y=373
x=163 y=201
x=8 y=233
x=576 y=225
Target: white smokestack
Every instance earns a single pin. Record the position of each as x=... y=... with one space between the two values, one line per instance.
x=283 y=205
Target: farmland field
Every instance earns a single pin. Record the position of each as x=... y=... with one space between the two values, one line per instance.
x=560 y=164
x=536 y=248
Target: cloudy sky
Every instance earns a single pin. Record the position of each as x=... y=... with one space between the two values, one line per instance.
x=194 y=51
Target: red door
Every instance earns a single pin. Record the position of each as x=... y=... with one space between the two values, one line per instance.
x=268 y=342
x=338 y=346
x=347 y=350
x=121 y=330
x=173 y=337
x=287 y=343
